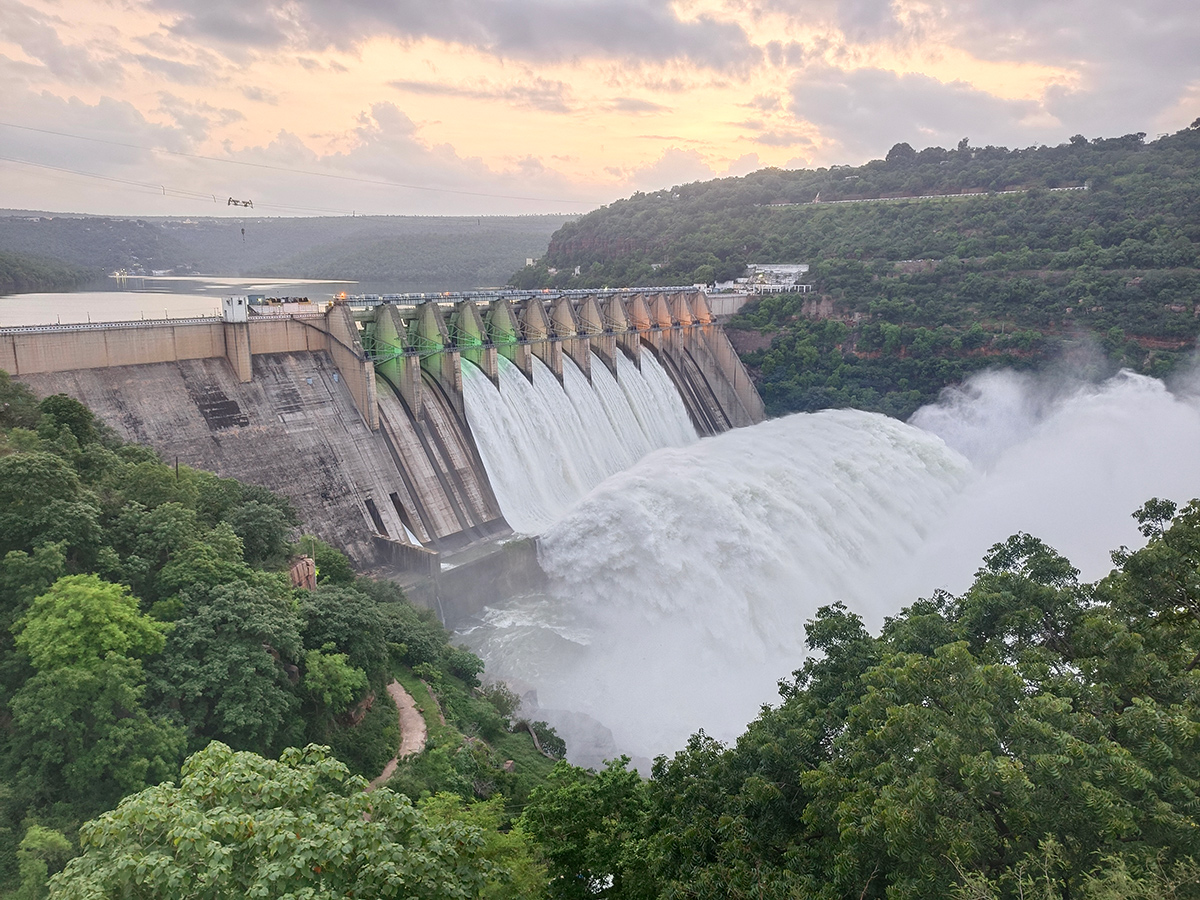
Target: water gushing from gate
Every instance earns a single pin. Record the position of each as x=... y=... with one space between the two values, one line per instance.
x=545 y=445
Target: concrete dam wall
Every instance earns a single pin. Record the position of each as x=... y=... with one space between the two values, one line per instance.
x=358 y=414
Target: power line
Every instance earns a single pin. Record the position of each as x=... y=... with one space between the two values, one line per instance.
x=147 y=187
x=240 y=162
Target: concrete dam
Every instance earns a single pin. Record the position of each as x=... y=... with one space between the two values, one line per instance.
x=388 y=421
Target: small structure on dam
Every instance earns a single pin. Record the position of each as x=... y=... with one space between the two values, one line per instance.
x=357 y=413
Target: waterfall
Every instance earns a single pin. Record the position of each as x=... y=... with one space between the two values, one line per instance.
x=545 y=445
x=680 y=586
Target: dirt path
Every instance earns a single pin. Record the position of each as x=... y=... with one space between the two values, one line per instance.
x=412 y=730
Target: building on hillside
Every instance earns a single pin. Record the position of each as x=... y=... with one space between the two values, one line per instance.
x=769 y=278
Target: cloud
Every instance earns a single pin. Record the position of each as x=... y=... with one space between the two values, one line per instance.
x=866 y=111
x=765 y=102
x=538 y=30
x=385 y=168
x=37 y=35
x=790 y=54
x=1133 y=60
x=196 y=119
x=867 y=21
x=260 y=95
x=540 y=93
x=674 y=167
x=1126 y=66
x=635 y=106
x=262 y=25
x=744 y=165
x=672 y=138
x=385 y=146
x=783 y=137
x=172 y=70
x=117 y=121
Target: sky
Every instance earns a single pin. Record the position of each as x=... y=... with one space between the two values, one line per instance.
x=471 y=107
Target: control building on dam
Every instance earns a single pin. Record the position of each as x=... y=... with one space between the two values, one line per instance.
x=357 y=413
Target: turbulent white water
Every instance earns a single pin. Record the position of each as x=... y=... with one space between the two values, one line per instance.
x=1070 y=468
x=545 y=445
x=680 y=586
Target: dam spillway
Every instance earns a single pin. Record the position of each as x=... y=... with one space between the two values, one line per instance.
x=545 y=444
x=362 y=414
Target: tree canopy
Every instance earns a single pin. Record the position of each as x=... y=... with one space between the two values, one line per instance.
x=239 y=825
x=1035 y=736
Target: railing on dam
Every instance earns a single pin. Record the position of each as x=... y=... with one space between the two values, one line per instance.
x=366 y=301
x=58 y=327
x=94 y=326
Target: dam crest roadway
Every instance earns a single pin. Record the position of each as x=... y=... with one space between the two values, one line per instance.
x=356 y=412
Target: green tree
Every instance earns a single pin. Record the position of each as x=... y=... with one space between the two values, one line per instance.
x=81 y=729
x=331 y=680
x=333 y=567
x=225 y=665
x=239 y=825
x=41 y=853
x=41 y=501
x=80 y=621
x=18 y=404
x=513 y=851
x=263 y=529
x=348 y=619
x=67 y=412
x=588 y=826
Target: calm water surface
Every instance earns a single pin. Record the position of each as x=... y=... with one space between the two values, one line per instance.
x=154 y=298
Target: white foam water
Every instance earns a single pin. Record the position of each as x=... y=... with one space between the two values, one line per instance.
x=693 y=572
x=680 y=586
x=544 y=444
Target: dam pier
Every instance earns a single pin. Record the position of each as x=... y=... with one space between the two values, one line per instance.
x=357 y=412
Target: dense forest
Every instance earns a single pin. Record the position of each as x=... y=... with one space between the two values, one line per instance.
x=395 y=253
x=146 y=614
x=1034 y=737
x=22 y=273
x=916 y=285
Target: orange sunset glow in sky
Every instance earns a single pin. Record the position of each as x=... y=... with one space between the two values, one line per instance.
x=170 y=107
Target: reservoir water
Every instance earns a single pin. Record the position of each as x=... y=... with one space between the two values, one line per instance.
x=150 y=297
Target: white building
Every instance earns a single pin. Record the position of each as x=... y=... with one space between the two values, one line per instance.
x=768 y=278
x=776 y=273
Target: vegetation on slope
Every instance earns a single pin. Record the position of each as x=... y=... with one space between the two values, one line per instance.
x=393 y=252
x=23 y=273
x=912 y=294
x=146 y=614
x=1034 y=737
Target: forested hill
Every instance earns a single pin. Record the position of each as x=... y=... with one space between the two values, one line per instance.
x=21 y=273
x=912 y=293
x=384 y=252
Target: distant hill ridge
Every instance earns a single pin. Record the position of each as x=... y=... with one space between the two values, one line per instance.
x=713 y=229
x=400 y=252
x=909 y=296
